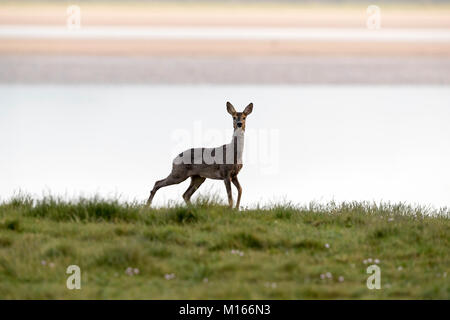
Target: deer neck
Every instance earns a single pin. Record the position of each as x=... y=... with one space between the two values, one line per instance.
x=237 y=143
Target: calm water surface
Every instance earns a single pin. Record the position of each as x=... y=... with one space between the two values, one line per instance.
x=303 y=143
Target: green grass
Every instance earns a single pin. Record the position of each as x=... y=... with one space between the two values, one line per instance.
x=217 y=253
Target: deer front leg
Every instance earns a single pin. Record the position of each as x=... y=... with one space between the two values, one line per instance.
x=239 y=189
x=230 y=195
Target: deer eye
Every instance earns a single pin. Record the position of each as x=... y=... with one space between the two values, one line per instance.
x=234 y=118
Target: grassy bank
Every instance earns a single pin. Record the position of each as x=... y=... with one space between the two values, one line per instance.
x=208 y=251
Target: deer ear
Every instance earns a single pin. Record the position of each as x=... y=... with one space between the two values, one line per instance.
x=230 y=109
x=248 y=109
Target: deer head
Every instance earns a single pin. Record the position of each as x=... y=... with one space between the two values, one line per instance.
x=239 y=117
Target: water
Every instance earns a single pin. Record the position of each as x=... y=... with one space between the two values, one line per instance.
x=228 y=33
x=303 y=143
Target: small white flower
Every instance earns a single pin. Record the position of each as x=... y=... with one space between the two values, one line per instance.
x=129 y=271
x=43 y=262
x=365 y=261
x=445 y=274
x=391 y=219
x=273 y=285
x=341 y=279
x=237 y=252
x=400 y=268
x=369 y=260
x=377 y=261
x=169 y=276
x=205 y=280
x=327 y=245
x=322 y=276
x=329 y=275
x=51 y=265
x=136 y=271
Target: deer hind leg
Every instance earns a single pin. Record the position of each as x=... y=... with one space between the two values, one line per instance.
x=196 y=182
x=239 y=189
x=230 y=195
x=170 y=180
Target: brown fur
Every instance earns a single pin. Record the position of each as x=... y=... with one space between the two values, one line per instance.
x=200 y=172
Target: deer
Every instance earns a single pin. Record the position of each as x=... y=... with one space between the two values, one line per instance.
x=221 y=163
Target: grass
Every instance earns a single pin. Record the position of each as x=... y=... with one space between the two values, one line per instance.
x=208 y=251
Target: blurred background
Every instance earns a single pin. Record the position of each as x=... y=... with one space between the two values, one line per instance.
x=352 y=99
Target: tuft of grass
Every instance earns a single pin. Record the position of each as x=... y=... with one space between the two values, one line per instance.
x=120 y=257
x=60 y=250
x=240 y=240
x=11 y=224
x=83 y=209
x=183 y=215
x=384 y=232
x=309 y=244
x=5 y=242
x=208 y=251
